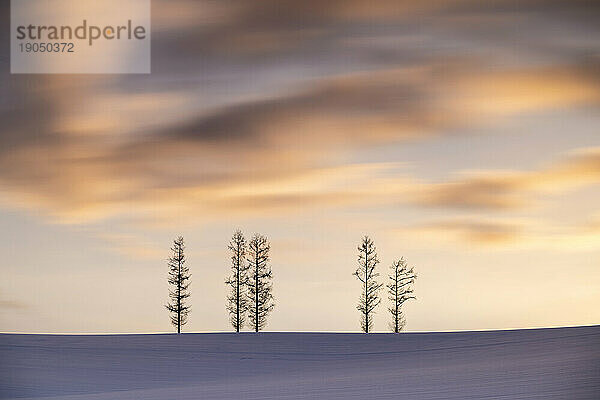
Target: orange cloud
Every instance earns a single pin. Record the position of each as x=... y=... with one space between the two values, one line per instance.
x=470 y=230
x=507 y=190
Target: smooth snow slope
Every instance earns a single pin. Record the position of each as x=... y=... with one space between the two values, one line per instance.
x=562 y=363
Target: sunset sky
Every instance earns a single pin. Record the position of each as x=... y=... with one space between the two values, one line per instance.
x=461 y=135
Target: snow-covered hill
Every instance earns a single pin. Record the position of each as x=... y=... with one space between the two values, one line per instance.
x=561 y=363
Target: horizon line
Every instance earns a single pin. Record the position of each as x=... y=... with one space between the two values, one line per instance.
x=308 y=332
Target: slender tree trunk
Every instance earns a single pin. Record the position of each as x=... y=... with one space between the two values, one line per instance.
x=366 y=298
x=178 y=280
x=396 y=302
x=237 y=306
x=366 y=274
x=179 y=293
x=256 y=295
x=396 y=315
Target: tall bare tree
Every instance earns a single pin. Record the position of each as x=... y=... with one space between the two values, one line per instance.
x=260 y=286
x=369 y=298
x=237 y=301
x=400 y=290
x=179 y=279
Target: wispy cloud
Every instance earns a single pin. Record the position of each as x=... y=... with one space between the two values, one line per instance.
x=512 y=189
x=471 y=231
x=477 y=232
x=133 y=246
x=13 y=305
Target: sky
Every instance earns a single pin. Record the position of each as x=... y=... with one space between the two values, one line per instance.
x=461 y=135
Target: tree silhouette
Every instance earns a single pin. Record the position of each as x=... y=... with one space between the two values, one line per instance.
x=399 y=290
x=179 y=279
x=260 y=287
x=369 y=298
x=237 y=301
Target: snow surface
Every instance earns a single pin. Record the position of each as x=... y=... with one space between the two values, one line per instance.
x=561 y=363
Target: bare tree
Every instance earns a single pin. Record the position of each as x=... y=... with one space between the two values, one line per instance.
x=369 y=298
x=400 y=290
x=260 y=287
x=237 y=301
x=179 y=279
